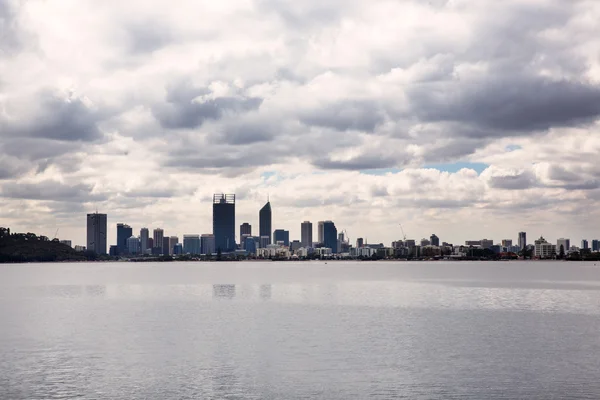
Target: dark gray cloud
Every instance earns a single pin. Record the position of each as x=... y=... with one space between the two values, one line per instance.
x=184 y=109
x=346 y=115
x=12 y=167
x=55 y=118
x=148 y=36
x=50 y=190
x=524 y=180
x=363 y=162
x=245 y=132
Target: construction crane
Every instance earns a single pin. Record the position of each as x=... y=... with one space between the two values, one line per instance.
x=403 y=234
x=56 y=233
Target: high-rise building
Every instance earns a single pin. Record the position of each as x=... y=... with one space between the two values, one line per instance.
x=360 y=242
x=96 y=233
x=178 y=249
x=330 y=239
x=158 y=235
x=425 y=242
x=585 y=244
x=224 y=222
x=133 y=245
x=124 y=232
x=251 y=244
x=306 y=232
x=191 y=244
x=208 y=244
x=264 y=221
x=486 y=243
x=565 y=243
x=522 y=240
x=264 y=242
x=165 y=246
x=507 y=243
x=281 y=235
x=295 y=245
x=150 y=245
x=320 y=232
x=173 y=240
x=435 y=241
x=245 y=229
x=144 y=236
x=543 y=249
x=595 y=245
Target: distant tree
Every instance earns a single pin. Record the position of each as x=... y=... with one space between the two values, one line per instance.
x=219 y=254
x=561 y=252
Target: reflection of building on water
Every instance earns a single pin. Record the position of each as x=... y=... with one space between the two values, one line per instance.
x=225 y=291
x=265 y=292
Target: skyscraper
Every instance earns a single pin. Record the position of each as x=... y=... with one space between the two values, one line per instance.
x=158 y=235
x=320 y=233
x=264 y=221
x=191 y=244
x=165 y=246
x=245 y=229
x=306 y=231
x=565 y=243
x=330 y=238
x=207 y=244
x=144 y=236
x=435 y=241
x=281 y=235
x=224 y=222
x=173 y=240
x=585 y=244
x=133 y=245
x=96 y=233
x=124 y=232
x=522 y=240
x=360 y=242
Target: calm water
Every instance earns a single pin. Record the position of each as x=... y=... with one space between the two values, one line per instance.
x=300 y=330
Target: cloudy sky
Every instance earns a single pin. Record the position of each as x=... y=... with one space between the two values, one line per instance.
x=464 y=118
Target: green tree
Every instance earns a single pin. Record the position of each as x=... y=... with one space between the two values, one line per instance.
x=561 y=252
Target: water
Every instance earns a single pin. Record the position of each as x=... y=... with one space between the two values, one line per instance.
x=502 y=330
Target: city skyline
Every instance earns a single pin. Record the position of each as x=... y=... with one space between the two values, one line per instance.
x=369 y=114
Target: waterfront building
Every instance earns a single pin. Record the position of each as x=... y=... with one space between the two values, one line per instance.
x=124 y=232
x=158 y=236
x=191 y=244
x=67 y=242
x=265 y=221
x=281 y=235
x=565 y=243
x=96 y=233
x=144 y=236
x=585 y=244
x=166 y=248
x=330 y=239
x=133 y=245
x=522 y=240
x=245 y=229
x=435 y=241
x=543 y=249
x=306 y=234
x=208 y=244
x=320 y=231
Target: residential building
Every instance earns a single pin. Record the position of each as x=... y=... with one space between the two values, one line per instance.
x=166 y=248
x=96 y=233
x=595 y=245
x=144 y=236
x=425 y=242
x=133 y=245
x=79 y=248
x=522 y=240
x=265 y=222
x=124 y=232
x=67 y=242
x=486 y=243
x=565 y=243
x=158 y=236
x=224 y=222
x=585 y=244
x=330 y=239
x=295 y=245
x=208 y=244
x=191 y=244
x=281 y=235
x=507 y=243
x=435 y=241
x=543 y=249
x=306 y=234
x=360 y=242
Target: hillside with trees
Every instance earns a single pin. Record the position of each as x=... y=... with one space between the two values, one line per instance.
x=28 y=247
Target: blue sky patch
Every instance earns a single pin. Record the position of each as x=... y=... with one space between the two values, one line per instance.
x=380 y=171
x=512 y=147
x=457 y=166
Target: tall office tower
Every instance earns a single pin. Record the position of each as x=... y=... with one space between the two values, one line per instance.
x=224 y=222
x=306 y=232
x=264 y=221
x=435 y=241
x=191 y=244
x=565 y=243
x=522 y=240
x=207 y=244
x=595 y=245
x=173 y=240
x=245 y=229
x=281 y=235
x=133 y=245
x=165 y=246
x=330 y=239
x=507 y=243
x=124 y=232
x=96 y=233
x=585 y=244
x=320 y=233
x=251 y=244
x=144 y=236
x=158 y=235
x=360 y=242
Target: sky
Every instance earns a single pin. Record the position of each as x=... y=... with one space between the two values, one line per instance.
x=470 y=119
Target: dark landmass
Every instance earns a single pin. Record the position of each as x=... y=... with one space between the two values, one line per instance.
x=28 y=247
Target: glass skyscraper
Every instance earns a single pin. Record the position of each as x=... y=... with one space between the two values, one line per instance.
x=264 y=219
x=224 y=222
x=96 y=233
x=281 y=235
x=330 y=238
x=124 y=232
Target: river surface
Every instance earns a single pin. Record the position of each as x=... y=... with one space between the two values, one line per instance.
x=307 y=330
